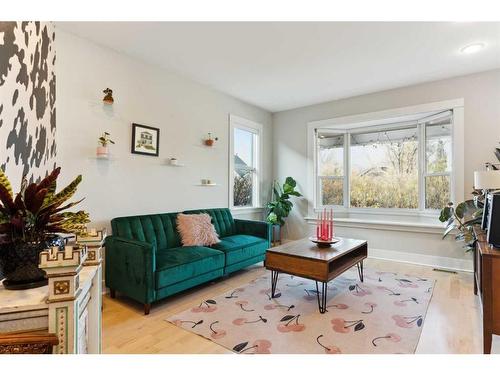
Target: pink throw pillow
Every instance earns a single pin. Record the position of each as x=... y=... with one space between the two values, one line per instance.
x=196 y=230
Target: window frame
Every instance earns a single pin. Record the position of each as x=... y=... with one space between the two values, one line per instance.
x=423 y=174
x=356 y=123
x=237 y=122
x=344 y=178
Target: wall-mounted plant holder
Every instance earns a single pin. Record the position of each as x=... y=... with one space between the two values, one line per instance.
x=102 y=151
x=210 y=141
x=206 y=182
x=108 y=97
x=100 y=158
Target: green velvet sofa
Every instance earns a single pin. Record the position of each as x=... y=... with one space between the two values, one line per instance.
x=145 y=259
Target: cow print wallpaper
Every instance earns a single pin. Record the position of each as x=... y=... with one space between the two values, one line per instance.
x=27 y=100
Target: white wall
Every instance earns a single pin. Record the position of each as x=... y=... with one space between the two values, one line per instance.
x=481 y=93
x=183 y=110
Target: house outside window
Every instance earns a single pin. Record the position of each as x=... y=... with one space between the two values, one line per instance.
x=245 y=159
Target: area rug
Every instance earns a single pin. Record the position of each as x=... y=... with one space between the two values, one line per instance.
x=385 y=315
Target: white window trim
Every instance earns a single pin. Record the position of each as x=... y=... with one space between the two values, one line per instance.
x=256 y=128
x=376 y=118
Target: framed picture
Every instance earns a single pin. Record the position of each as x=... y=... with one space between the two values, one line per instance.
x=145 y=140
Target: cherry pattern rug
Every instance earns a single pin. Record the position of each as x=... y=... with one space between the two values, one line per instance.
x=385 y=315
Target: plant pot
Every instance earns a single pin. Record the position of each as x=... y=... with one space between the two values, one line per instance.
x=209 y=142
x=102 y=152
x=276 y=234
x=19 y=262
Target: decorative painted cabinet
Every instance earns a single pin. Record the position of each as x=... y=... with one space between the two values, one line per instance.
x=69 y=306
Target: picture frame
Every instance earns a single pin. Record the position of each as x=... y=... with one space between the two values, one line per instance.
x=145 y=140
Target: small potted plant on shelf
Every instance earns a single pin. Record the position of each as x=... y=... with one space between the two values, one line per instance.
x=280 y=205
x=108 y=97
x=104 y=140
x=210 y=141
x=30 y=222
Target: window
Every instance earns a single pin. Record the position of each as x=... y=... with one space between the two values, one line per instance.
x=394 y=165
x=245 y=156
x=384 y=168
x=437 y=163
x=331 y=169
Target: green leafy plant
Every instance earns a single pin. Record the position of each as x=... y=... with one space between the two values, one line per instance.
x=104 y=139
x=465 y=215
x=462 y=218
x=280 y=205
x=38 y=210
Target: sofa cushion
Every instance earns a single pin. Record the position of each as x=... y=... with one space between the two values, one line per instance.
x=236 y=241
x=196 y=230
x=158 y=229
x=181 y=263
x=221 y=219
x=240 y=247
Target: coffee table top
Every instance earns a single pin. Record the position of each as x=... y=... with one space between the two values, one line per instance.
x=304 y=248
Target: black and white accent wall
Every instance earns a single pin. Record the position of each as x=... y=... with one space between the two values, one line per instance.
x=27 y=100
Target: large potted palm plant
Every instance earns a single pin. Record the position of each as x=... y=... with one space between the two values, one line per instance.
x=30 y=222
x=280 y=205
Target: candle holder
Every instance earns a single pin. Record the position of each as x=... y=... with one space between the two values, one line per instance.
x=325 y=232
x=324 y=243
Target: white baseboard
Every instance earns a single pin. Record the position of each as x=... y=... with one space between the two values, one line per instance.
x=454 y=264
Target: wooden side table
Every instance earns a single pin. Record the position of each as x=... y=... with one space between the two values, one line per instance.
x=487 y=286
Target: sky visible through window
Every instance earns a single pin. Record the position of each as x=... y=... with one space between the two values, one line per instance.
x=368 y=157
x=243 y=144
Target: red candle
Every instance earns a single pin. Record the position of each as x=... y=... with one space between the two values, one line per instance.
x=327 y=225
x=317 y=228
x=325 y=234
x=321 y=225
x=330 y=225
x=333 y=231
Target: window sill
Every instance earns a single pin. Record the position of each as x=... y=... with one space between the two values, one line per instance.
x=408 y=223
x=246 y=210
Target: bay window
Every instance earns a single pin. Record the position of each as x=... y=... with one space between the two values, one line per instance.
x=404 y=164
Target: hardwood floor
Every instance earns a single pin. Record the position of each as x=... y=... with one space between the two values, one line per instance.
x=453 y=323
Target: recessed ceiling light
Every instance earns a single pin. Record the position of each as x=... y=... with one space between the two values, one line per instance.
x=472 y=48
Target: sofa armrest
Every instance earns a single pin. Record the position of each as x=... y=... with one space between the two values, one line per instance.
x=255 y=228
x=130 y=267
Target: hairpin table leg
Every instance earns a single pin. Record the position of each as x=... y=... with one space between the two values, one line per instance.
x=322 y=298
x=360 y=271
x=274 y=282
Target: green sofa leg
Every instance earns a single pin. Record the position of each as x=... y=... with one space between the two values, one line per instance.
x=147 y=308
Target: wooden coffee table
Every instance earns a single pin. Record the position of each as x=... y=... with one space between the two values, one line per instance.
x=304 y=259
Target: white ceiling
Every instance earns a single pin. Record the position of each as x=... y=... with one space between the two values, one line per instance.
x=278 y=66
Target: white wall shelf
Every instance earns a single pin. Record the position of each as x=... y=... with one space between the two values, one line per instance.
x=168 y=164
x=109 y=158
x=203 y=145
x=207 y=185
